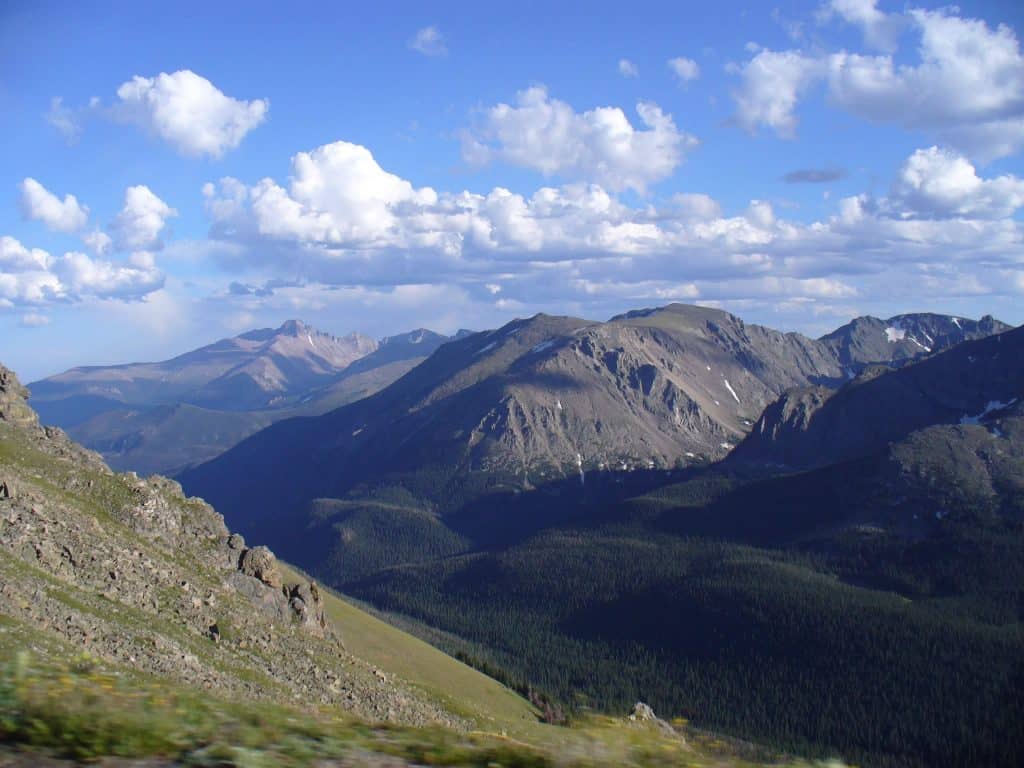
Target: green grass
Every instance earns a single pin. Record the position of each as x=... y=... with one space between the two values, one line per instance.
x=472 y=694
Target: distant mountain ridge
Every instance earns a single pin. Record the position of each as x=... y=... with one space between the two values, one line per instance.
x=901 y=338
x=161 y=417
x=256 y=369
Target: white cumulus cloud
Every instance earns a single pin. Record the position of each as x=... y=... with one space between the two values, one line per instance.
x=338 y=194
x=97 y=240
x=15 y=257
x=600 y=145
x=141 y=220
x=965 y=88
x=697 y=207
x=771 y=85
x=83 y=276
x=939 y=183
x=943 y=230
x=189 y=112
x=39 y=204
x=32 y=277
x=968 y=86
x=881 y=30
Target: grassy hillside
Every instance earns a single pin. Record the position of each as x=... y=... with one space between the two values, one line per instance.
x=492 y=706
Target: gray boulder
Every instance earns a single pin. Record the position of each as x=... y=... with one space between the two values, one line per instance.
x=261 y=563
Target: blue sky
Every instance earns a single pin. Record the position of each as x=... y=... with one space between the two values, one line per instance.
x=174 y=175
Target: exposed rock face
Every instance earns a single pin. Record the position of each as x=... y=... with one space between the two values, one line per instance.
x=308 y=606
x=643 y=713
x=903 y=338
x=13 y=395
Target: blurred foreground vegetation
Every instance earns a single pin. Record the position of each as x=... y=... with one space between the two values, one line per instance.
x=82 y=710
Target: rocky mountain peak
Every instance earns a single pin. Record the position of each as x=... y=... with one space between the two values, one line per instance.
x=292 y=328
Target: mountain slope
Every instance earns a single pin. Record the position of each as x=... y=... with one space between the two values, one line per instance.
x=814 y=427
x=139 y=575
x=165 y=439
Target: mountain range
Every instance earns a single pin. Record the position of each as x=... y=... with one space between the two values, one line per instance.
x=162 y=417
x=530 y=404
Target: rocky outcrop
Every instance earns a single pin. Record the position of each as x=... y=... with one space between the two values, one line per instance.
x=260 y=563
x=13 y=395
x=259 y=577
x=643 y=713
x=308 y=606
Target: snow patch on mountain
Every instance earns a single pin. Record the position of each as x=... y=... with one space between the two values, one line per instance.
x=731 y=390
